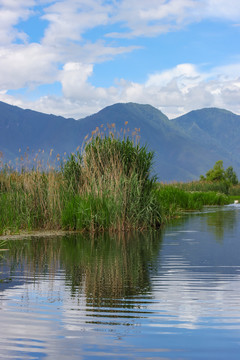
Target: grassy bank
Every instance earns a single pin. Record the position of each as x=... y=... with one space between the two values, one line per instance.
x=107 y=187
x=173 y=200
x=209 y=186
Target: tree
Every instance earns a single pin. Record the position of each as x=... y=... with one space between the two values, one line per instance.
x=231 y=176
x=218 y=174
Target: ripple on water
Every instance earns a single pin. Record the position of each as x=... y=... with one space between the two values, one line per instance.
x=172 y=296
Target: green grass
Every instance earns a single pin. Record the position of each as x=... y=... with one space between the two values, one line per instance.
x=106 y=187
x=234 y=190
x=174 y=200
x=208 y=186
x=203 y=186
x=232 y=198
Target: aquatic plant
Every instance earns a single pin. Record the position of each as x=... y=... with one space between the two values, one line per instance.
x=112 y=186
x=177 y=199
x=202 y=186
x=108 y=186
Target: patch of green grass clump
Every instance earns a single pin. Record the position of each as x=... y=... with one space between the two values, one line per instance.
x=175 y=200
x=30 y=200
x=106 y=187
x=203 y=186
x=111 y=187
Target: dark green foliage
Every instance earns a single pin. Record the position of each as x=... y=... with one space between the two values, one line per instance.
x=234 y=190
x=72 y=171
x=231 y=176
x=217 y=174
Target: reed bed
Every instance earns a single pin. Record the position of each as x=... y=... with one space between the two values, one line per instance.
x=175 y=200
x=108 y=186
x=203 y=186
x=234 y=190
x=30 y=200
x=111 y=187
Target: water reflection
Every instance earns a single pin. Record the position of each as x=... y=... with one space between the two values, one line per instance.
x=220 y=221
x=170 y=294
x=104 y=267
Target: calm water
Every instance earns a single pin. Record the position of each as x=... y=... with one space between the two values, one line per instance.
x=173 y=294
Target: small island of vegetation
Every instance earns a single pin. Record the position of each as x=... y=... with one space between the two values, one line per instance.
x=108 y=186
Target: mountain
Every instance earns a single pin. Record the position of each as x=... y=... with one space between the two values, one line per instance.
x=212 y=126
x=184 y=147
x=26 y=128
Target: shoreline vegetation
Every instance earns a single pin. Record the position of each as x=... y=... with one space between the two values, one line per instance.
x=108 y=186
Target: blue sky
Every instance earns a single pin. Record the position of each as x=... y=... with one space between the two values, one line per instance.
x=74 y=57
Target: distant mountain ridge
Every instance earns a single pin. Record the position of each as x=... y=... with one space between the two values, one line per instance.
x=212 y=125
x=185 y=147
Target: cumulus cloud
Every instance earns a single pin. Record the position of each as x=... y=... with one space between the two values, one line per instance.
x=12 y=12
x=174 y=91
x=74 y=80
x=65 y=54
x=29 y=65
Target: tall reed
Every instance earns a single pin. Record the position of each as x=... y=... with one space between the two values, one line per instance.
x=30 y=200
x=174 y=200
x=108 y=186
x=203 y=186
x=111 y=186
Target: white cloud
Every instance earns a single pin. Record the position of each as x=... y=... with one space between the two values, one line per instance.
x=174 y=91
x=68 y=20
x=185 y=74
x=21 y=66
x=64 y=54
x=11 y=12
x=74 y=80
x=229 y=10
x=155 y=17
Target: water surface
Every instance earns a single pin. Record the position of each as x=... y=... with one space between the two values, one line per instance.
x=170 y=294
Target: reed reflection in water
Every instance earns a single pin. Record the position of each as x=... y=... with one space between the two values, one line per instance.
x=162 y=295
x=74 y=287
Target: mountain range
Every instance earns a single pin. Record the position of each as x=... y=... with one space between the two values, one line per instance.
x=185 y=147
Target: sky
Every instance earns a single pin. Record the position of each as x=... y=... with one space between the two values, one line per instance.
x=75 y=57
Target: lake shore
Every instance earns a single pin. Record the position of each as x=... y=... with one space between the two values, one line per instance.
x=38 y=233
x=107 y=188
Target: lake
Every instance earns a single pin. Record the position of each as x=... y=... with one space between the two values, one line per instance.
x=169 y=294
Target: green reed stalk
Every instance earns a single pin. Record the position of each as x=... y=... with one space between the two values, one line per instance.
x=106 y=187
